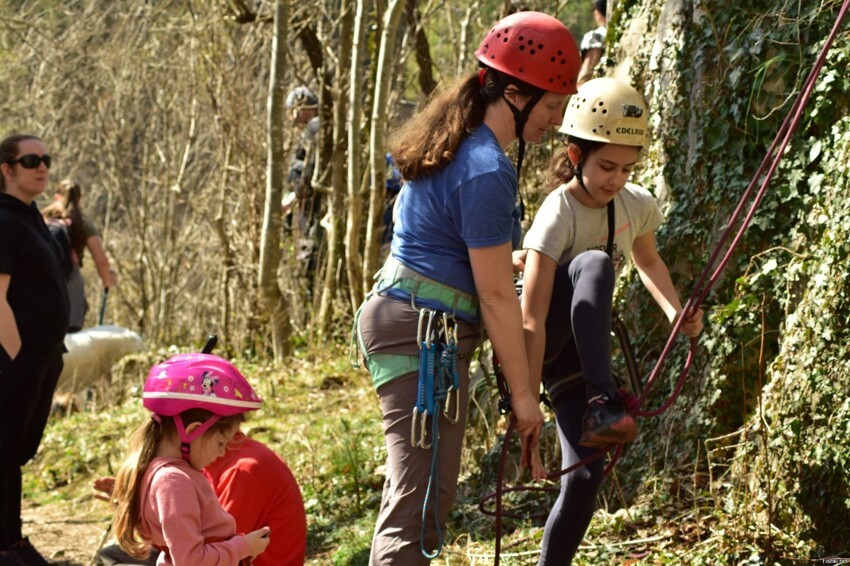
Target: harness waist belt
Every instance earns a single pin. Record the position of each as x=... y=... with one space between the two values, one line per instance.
x=396 y=275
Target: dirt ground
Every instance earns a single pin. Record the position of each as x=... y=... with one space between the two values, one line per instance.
x=66 y=533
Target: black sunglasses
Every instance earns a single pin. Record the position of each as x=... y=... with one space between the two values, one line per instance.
x=32 y=161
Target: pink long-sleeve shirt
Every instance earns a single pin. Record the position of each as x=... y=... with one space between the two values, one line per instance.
x=180 y=512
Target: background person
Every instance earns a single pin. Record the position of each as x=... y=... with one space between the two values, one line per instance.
x=592 y=45
x=456 y=222
x=83 y=234
x=303 y=200
x=584 y=233
x=33 y=322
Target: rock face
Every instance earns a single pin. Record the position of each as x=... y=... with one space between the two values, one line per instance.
x=92 y=352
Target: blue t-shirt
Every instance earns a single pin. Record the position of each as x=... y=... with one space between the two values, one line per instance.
x=471 y=203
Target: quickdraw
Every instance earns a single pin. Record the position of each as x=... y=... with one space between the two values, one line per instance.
x=439 y=385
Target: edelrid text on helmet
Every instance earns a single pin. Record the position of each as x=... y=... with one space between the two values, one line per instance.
x=609 y=111
x=535 y=48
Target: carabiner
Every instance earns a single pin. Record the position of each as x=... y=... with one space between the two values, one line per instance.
x=446 y=410
x=420 y=419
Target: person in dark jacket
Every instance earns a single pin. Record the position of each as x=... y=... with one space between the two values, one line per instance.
x=33 y=321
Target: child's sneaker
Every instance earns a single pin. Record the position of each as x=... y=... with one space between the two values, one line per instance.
x=606 y=421
x=27 y=552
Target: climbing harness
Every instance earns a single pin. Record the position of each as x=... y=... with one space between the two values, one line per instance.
x=709 y=276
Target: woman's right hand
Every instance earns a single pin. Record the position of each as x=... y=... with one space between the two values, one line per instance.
x=528 y=418
x=531 y=459
x=258 y=540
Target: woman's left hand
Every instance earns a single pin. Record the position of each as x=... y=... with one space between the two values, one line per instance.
x=692 y=325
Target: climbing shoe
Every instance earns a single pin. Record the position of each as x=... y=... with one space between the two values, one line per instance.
x=606 y=421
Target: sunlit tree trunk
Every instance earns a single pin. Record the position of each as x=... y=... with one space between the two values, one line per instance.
x=358 y=284
x=336 y=198
x=275 y=301
x=378 y=193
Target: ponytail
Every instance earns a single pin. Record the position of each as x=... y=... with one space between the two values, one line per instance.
x=70 y=193
x=560 y=169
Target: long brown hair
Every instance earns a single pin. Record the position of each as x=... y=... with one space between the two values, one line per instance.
x=128 y=483
x=67 y=207
x=427 y=142
x=9 y=148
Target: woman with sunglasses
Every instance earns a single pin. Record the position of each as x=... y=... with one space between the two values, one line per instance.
x=450 y=270
x=33 y=321
x=83 y=234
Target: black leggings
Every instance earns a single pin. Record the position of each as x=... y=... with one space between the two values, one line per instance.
x=578 y=340
x=27 y=391
x=579 y=323
x=573 y=510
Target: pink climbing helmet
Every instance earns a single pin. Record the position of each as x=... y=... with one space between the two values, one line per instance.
x=197 y=381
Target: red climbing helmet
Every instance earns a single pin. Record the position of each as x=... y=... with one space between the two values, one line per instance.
x=198 y=381
x=534 y=48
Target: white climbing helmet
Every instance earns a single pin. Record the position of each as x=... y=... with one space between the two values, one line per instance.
x=608 y=111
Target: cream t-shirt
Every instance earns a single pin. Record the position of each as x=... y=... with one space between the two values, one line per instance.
x=564 y=228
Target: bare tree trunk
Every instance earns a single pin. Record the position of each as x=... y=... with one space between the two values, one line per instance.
x=422 y=49
x=336 y=198
x=378 y=193
x=353 y=257
x=275 y=301
x=228 y=263
x=463 y=48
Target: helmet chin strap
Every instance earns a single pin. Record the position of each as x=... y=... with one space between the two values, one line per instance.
x=520 y=119
x=187 y=438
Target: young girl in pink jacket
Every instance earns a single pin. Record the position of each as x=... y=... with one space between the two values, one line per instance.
x=162 y=499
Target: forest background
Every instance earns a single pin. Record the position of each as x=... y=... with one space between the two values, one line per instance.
x=170 y=115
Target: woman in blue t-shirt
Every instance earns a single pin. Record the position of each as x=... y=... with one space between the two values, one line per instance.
x=456 y=222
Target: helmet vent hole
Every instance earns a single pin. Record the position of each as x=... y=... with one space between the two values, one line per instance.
x=522 y=47
x=521 y=70
x=551 y=59
x=540 y=46
x=532 y=51
x=521 y=38
x=505 y=40
x=530 y=42
x=605 y=111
